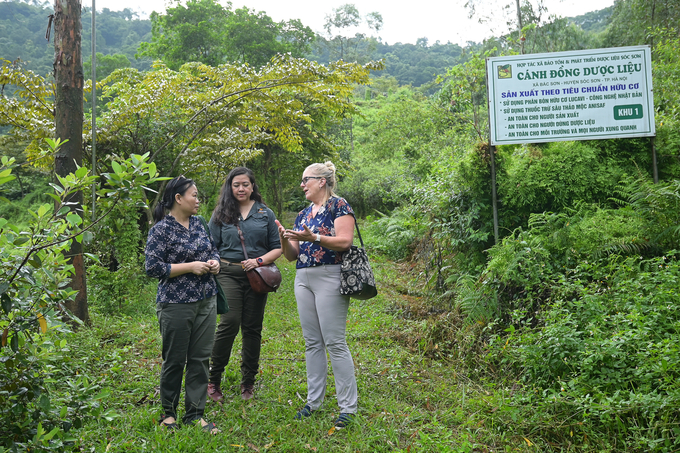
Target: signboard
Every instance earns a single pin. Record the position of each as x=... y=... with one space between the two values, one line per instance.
x=577 y=95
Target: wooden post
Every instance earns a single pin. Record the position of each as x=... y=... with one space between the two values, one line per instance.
x=68 y=114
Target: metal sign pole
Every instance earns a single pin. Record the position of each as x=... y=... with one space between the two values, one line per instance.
x=655 y=170
x=94 y=110
x=492 y=152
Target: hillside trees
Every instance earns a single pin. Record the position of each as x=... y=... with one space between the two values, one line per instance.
x=339 y=25
x=203 y=119
x=207 y=32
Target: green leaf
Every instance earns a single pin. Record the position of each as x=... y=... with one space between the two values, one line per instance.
x=4 y=286
x=14 y=342
x=6 y=303
x=74 y=219
x=54 y=197
x=81 y=172
x=5 y=179
x=116 y=167
x=51 y=434
x=21 y=240
x=35 y=261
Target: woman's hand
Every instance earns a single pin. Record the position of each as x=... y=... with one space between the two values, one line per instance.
x=249 y=264
x=282 y=230
x=305 y=235
x=290 y=249
x=214 y=266
x=199 y=267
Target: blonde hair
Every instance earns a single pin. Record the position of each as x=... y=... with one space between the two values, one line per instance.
x=326 y=171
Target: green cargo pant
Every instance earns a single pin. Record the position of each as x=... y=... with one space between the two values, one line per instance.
x=187 y=331
x=246 y=312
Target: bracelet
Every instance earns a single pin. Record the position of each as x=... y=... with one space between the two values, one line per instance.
x=318 y=238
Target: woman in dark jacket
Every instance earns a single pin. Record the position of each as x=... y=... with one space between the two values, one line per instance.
x=181 y=255
x=240 y=204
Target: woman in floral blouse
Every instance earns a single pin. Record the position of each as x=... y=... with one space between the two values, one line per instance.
x=321 y=233
x=181 y=255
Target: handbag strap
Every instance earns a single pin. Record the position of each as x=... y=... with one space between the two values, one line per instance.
x=243 y=241
x=356 y=225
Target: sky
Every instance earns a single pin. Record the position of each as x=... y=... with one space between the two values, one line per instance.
x=405 y=22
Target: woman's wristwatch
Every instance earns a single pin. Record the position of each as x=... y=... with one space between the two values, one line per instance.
x=318 y=239
x=260 y=262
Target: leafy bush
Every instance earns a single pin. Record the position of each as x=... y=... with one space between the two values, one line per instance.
x=391 y=235
x=116 y=284
x=606 y=352
x=556 y=176
x=34 y=275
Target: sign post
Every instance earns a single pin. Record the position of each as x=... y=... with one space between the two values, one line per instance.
x=564 y=96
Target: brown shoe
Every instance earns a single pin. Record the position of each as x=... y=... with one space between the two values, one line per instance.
x=247 y=391
x=214 y=392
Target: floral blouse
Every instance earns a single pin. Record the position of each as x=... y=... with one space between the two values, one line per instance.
x=171 y=243
x=312 y=254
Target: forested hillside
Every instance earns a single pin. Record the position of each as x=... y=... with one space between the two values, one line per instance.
x=119 y=35
x=558 y=335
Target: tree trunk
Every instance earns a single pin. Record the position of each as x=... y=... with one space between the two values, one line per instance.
x=68 y=76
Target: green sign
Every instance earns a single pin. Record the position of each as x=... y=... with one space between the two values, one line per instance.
x=576 y=95
x=628 y=112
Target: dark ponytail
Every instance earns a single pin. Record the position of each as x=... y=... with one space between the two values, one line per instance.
x=178 y=185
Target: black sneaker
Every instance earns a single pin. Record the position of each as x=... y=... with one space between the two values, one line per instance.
x=303 y=413
x=344 y=420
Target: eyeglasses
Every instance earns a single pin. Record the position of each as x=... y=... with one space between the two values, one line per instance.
x=306 y=179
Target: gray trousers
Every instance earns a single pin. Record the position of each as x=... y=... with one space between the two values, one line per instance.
x=187 y=331
x=323 y=316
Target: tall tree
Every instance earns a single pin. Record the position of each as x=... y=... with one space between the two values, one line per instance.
x=341 y=23
x=68 y=115
x=207 y=32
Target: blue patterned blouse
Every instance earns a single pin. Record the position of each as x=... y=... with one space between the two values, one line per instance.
x=171 y=243
x=312 y=254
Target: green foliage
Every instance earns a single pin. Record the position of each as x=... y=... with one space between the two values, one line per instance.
x=106 y=64
x=393 y=235
x=606 y=352
x=34 y=274
x=556 y=176
x=22 y=34
x=339 y=25
x=115 y=283
x=207 y=32
x=632 y=20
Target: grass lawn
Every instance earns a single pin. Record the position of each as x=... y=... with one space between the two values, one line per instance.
x=406 y=402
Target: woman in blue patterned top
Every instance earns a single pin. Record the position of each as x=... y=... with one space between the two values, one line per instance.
x=180 y=253
x=321 y=233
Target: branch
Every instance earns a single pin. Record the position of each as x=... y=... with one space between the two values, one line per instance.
x=258 y=87
x=59 y=241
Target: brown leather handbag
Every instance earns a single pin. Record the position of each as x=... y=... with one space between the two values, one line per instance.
x=263 y=279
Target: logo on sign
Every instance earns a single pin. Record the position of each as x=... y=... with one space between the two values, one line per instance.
x=505 y=71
